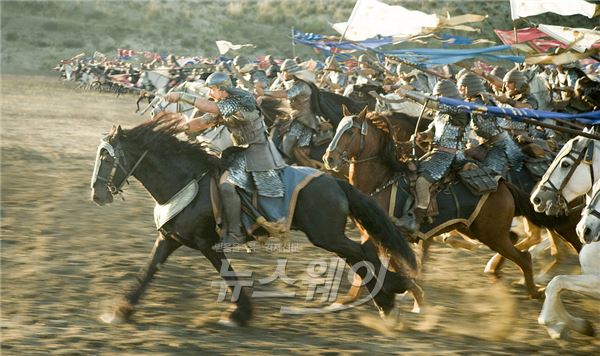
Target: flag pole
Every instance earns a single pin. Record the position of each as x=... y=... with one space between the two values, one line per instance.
x=349 y=21
x=293 y=44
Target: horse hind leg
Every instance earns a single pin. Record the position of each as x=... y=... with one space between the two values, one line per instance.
x=498 y=239
x=497 y=261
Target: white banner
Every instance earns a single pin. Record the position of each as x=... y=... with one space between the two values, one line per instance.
x=225 y=46
x=372 y=17
x=524 y=8
x=580 y=39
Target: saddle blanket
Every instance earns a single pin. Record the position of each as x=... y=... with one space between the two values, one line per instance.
x=279 y=210
x=456 y=204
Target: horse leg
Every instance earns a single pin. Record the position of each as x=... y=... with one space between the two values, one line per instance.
x=503 y=245
x=243 y=311
x=497 y=261
x=555 y=317
x=163 y=248
x=492 y=227
x=423 y=252
x=354 y=290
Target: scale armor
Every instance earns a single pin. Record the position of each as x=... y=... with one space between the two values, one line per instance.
x=255 y=168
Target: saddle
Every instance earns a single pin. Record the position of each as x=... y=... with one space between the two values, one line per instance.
x=479 y=181
x=324 y=134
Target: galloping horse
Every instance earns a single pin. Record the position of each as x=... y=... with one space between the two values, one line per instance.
x=164 y=164
x=554 y=316
x=364 y=141
x=588 y=228
x=571 y=175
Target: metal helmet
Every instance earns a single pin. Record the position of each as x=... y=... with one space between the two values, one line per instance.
x=219 y=80
x=472 y=83
x=499 y=71
x=446 y=88
x=517 y=77
x=290 y=66
x=461 y=73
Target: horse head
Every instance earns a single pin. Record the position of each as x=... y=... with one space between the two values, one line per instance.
x=570 y=176
x=588 y=228
x=110 y=169
x=345 y=146
x=155 y=154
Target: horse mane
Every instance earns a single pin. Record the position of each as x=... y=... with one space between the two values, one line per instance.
x=389 y=149
x=160 y=135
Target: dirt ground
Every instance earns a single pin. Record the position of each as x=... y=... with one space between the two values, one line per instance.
x=65 y=260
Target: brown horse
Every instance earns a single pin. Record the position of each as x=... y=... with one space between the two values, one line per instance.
x=368 y=146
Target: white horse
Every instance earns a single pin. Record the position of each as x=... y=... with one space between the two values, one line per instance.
x=216 y=138
x=572 y=174
x=554 y=316
x=159 y=79
x=588 y=228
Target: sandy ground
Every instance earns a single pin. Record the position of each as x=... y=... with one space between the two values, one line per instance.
x=65 y=260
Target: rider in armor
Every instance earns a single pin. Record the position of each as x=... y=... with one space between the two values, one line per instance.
x=255 y=169
x=304 y=122
x=333 y=78
x=502 y=151
x=449 y=135
x=247 y=74
x=516 y=95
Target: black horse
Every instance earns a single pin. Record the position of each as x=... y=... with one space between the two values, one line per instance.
x=164 y=164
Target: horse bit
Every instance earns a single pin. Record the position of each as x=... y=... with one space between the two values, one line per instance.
x=577 y=156
x=115 y=153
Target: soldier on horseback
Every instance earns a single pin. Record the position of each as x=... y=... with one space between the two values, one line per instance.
x=247 y=73
x=256 y=168
x=502 y=151
x=304 y=121
x=449 y=135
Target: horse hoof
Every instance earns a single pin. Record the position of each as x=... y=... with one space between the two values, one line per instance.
x=229 y=323
x=539 y=294
x=558 y=331
x=113 y=318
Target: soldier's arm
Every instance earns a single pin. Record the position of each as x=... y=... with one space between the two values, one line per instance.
x=200 y=124
x=202 y=104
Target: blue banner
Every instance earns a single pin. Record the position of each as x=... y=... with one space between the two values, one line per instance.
x=587 y=118
x=441 y=56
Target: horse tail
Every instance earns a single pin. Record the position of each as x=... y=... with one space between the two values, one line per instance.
x=523 y=207
x=370 y=216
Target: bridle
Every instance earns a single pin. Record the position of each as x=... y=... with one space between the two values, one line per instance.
x=592 y=207
x=577 y=155
x=119 y=162
x=346 y=124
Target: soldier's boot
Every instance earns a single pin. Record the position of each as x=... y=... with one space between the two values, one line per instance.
x=422 y=186
x=232 y=206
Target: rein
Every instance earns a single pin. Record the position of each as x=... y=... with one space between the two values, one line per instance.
x=578 y=157
x=115 y=153
x=363 y=134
